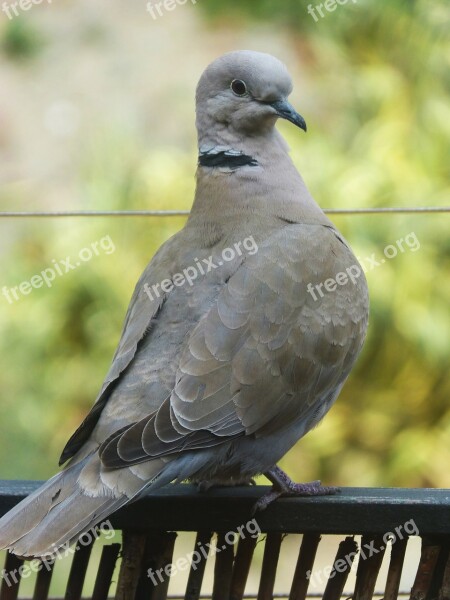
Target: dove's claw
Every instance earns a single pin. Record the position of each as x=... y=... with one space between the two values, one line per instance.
x=284 y=486
x=265 y=500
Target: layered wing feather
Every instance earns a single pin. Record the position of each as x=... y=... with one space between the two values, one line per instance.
x=265 y=354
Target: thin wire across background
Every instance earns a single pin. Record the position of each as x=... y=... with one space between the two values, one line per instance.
x=180 y=213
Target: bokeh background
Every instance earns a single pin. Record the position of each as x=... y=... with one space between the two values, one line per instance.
x=97 y=113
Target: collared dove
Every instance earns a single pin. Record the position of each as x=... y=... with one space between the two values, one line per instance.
x=216 y=377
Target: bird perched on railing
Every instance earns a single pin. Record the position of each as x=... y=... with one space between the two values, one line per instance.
x=239 y=336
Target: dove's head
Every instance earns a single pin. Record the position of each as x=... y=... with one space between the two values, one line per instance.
x=245 y=92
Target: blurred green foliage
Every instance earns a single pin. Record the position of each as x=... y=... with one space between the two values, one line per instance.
x=20 y=40
x=373 y=92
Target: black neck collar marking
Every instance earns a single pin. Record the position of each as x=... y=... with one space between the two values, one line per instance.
x=226 y=159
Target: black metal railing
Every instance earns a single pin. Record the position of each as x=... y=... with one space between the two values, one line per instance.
x=386 y=520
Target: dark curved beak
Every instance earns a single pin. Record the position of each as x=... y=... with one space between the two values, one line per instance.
x=285 y=110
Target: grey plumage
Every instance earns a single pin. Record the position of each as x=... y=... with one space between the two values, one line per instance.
x=215 y=381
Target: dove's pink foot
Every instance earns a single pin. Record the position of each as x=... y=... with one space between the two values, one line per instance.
x=284 y=486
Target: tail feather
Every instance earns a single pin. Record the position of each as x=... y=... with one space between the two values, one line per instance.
x=70 y=504
x=24 y=517
x=64 y=525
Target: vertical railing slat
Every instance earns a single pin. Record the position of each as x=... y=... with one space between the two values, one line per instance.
x=9 y=589
x=223 y=569
x=133 y=546
x=425 y=571
x=158 y=558
x=269 y=566
x=77 y=573
x=197 y=570
x=347 y=551
x=444 y=592
x=370 y=558
x=394 y=575
x=305 y=564
x=105 y=571
x=43 y=581
x=242 y=563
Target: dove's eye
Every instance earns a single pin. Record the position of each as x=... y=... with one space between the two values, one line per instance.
x=238 y=86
